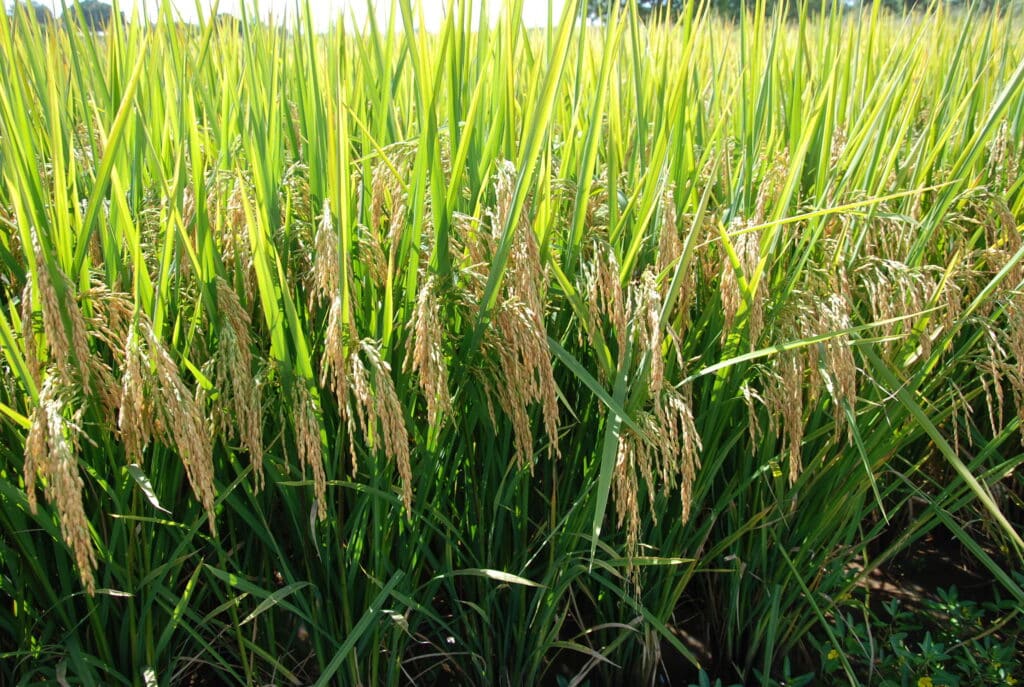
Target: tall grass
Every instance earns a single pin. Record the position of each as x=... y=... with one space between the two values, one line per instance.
x=496 y=355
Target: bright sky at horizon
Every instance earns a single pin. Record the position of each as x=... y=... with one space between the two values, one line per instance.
x=326 y=12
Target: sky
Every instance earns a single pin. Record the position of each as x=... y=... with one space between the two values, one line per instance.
x=325 y=12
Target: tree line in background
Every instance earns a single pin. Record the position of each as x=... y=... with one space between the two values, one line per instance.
x=671 y=9
x=92 y=14
x=97 y=15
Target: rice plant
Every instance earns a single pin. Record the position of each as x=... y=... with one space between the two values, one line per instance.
x=495 y=355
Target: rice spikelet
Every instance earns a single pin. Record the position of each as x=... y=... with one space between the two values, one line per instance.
x=327 y=264
x=50 y=450
x=516 y=337
x=310 y=449
x=157 y=404
x=735 y=281
x=334 y=363
x=236 y=249
x=240 y=390
x=668 y=454
x=426 y=355
x=184 y=424
x=605 y=296
x=134 y=419
x=382 y=409
x=371 y=254
x=784 y=396
x=670 y=247
x=57 y=342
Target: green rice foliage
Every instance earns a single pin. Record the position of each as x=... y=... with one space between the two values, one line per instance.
x=497 y=355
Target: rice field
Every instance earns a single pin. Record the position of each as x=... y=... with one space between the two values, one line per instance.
x=494 y=356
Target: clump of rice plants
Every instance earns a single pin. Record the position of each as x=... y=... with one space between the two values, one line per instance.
x=497 y=355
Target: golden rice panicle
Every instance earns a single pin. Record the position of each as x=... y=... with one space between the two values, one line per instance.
x=840 y=365
x=236 y=249
x=111 y=317
x=184 y=425
x=632 y=453
x=1016 y=373
x=894 y=290
x=50 y=450
x=471 y=249
x=371 y=254
x=1014 y=336
x=993 y=367
x=384 y=410
x=517 y=371
x=37 y=450
x=517 y=334
x=749 y=248
x=295 y=186
x=770 y=186
x=680 y=445
x=670 y=252
x=751 y=398
x=598 y=208
x=1004 y=159
x=136 y=415
x=387 y=190
x=235 y=378
x=334 y=362
x=107 y=324
x=825 y=310
x=156 y=403
x=666 y=455
x=327 y=264
x=670 y=246
x=73 y=358
x=890 y=237
x=358 y=382
x=784 y=396
x=310 y=449
x=605 y=296
x=57 y=342
x=509 y=339
x=519 y=342
x=747 y=245
x=389 y=199
x=729 y=288
x=668 y=452
x=644 y=305
x=526 y=277
x=397 y=225
x=107 y=389
x=426 y=355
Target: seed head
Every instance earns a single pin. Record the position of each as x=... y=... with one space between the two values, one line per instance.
x=382 y=410
x=327 y=264
x=157 y=403
x=240 y=390
x=50 y=451
x=426 y=355
x=310 y=449
x=785 y=399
